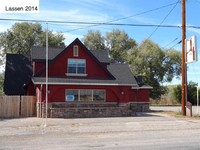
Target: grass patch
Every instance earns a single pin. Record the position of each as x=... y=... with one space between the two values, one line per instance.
x=175 y=114
x=196 y=116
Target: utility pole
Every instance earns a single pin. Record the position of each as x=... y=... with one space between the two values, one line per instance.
x=184 y=80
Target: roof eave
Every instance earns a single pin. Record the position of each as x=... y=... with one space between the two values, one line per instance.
x=85 y=83
x=143 y=87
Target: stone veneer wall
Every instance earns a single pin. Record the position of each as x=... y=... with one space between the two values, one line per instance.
x=91 y=109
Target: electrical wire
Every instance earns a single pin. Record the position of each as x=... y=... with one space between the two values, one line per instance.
x=95 y=23
x=123 y=18
x=163 y=20
x=176 y=44
x=170 y=43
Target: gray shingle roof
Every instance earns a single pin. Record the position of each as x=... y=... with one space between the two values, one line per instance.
x=101 y=55
x=39 y=54
x=121 y=72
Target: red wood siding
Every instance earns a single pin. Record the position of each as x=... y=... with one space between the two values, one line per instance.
x=113 y=93
x=37 y=66
x=140 y=95
x=30 y=89
x=58 y=68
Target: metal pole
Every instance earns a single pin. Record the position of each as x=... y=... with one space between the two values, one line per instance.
x=184 y=86
x=40 y=100
x=46 y=74
x=197 y=100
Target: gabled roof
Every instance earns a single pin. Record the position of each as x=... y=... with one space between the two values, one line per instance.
x=121 y=72
x=39 y=53
x=101 y=55
x=18 y=74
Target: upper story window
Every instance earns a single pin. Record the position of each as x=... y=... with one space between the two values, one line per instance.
x=76 y=66
x=75 y=50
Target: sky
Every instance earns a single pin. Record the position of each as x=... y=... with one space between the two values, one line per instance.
x=140 y=12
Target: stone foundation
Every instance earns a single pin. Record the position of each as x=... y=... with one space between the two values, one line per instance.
x=90 y=109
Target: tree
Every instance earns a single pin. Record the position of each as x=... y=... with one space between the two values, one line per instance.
x=22 y=36
x=191 y=92
x=54 y=39
x=172 y=63
x=1 y=83
x=155 y=65
x=94 y=40
x=147 y=59
x=117 y=42
x=177 y=92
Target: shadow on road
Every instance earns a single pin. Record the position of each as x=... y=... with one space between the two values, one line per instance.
x=148 y=114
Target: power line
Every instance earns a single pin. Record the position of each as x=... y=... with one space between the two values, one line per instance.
x=170 y=42
x=123 y=18
x=97 y=23
x=163 y=20
x=176 y=44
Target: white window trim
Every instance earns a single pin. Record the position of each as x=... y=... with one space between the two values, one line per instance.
x=75 y=51
x=79 y=94
x=76 y=74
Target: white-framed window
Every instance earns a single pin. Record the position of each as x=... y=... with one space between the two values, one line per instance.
x=76 y=66
x=85 y=95
x=75 y=50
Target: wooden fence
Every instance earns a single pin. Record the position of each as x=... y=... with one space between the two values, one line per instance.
x=17 y=106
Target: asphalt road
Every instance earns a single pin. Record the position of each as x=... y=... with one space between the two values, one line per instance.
x=147 y=131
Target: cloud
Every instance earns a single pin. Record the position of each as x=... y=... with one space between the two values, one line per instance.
x=197 y=31
x=92 y=5
x=72 y=15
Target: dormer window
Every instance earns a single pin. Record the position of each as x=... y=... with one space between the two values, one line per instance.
x=76 y=67
x=75 y=50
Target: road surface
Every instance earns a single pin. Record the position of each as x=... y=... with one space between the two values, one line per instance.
x=146 y=131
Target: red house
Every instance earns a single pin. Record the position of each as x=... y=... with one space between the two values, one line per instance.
x=83 y=83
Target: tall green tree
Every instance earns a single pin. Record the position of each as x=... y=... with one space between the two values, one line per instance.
x=94 y=40
x=155 y=65
x=147 y=59
x=22 y=36
x=54 y=39
x=117 y=42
